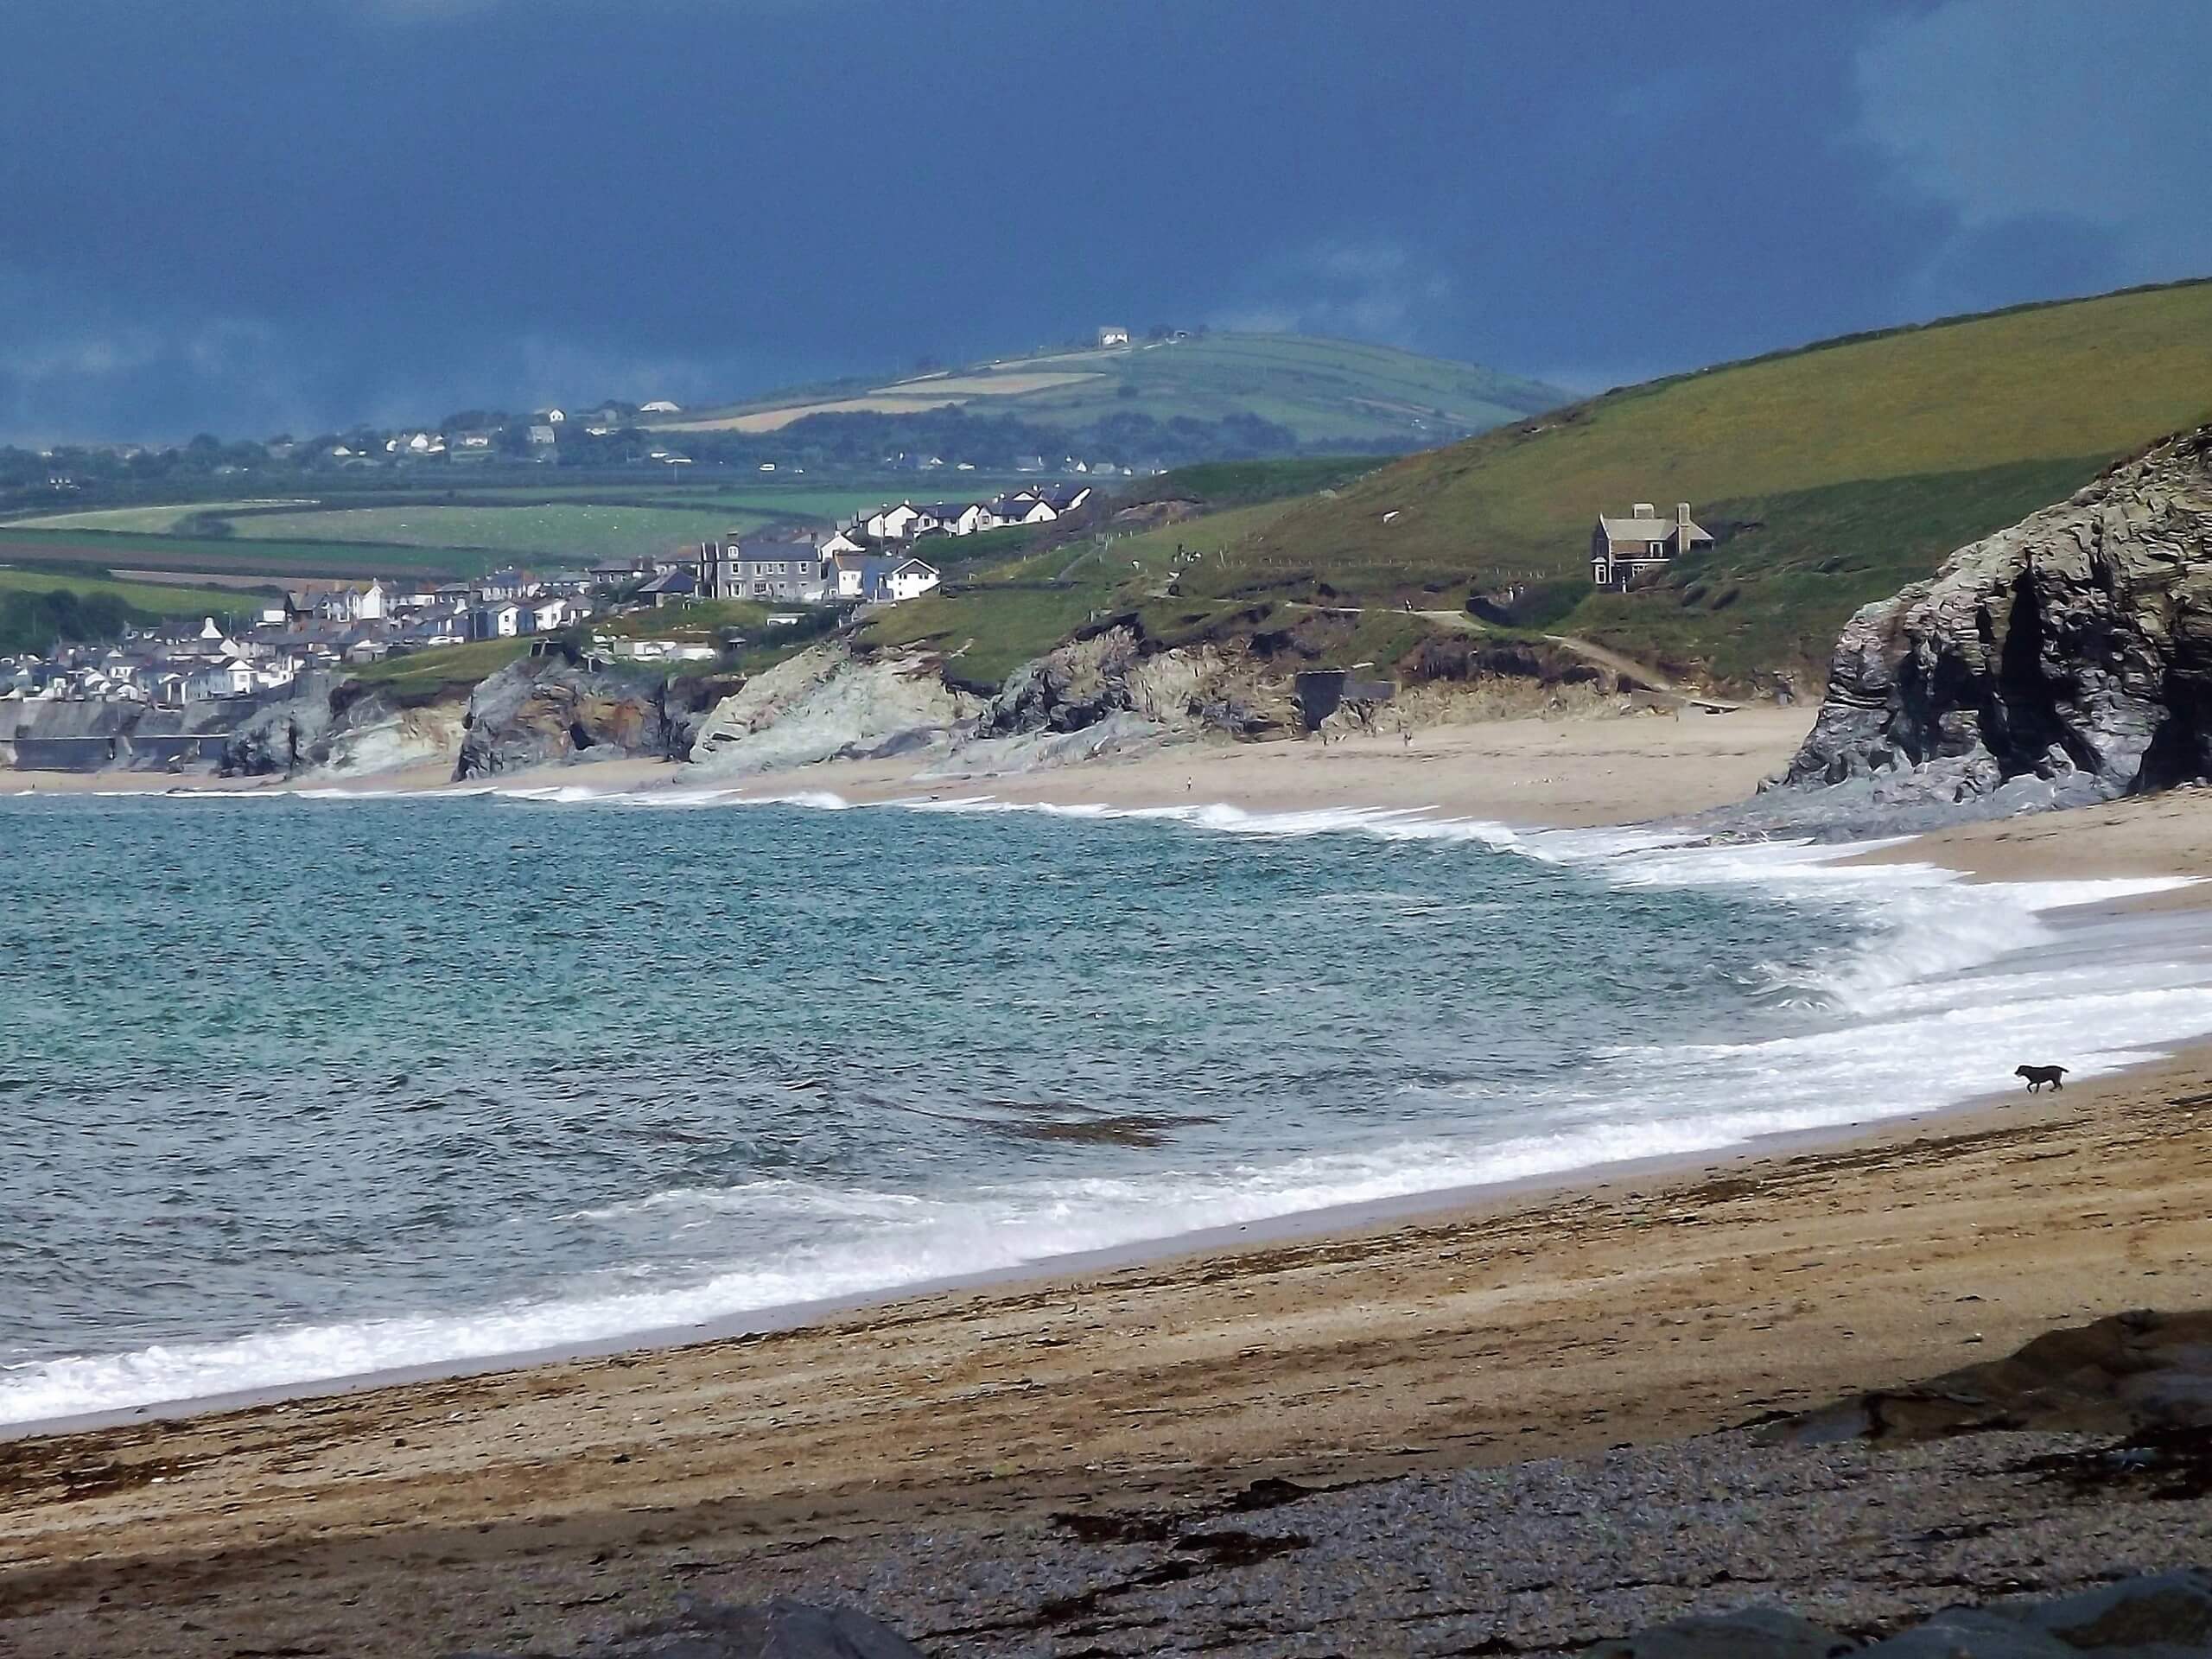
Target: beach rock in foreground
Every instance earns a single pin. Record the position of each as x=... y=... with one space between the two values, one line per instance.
x=782 y=1629
x=2064 y=661
x=1754 y=1633
x=2161 y=1615
x=543 y=711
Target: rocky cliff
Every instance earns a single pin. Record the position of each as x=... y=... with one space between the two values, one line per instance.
x=333 y=725
x=544 y=711
x=826 y=703
x=2065 y=660
x=1083 y=683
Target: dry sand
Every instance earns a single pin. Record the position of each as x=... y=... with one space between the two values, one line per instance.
x=529 y=1506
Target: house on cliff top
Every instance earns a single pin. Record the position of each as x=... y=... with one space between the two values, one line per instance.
x=1622 y=548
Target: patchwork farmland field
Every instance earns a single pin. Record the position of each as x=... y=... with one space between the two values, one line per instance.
x=577 y=532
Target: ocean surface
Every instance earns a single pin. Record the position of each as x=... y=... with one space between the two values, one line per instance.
x=295 y=1089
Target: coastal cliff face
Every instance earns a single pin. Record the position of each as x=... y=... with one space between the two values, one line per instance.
x=1079 y=684
x=330 y=725
x=825 y=704
x=2066 y=660
x=541 y=711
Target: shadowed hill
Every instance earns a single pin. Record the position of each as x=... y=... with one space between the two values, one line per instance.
x=1317 y=392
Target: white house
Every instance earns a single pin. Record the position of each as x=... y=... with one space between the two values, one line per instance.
x=965 y=519
x=837 y=543
x=1022 y=509
x=231 y=679
x=542 y=434
x=1110 y=336
x=500 y=619
x=892 y=524
x=909 y=579
x=855 y=575
x=550 y=613
x=660 y=406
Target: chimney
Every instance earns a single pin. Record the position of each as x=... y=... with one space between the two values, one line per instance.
x=1682 y=515
x=1644 y=510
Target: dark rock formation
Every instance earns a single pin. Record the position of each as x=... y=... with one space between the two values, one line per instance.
x=781 y=1629
x=2164 y=1616
x=2128 y=1373
x=1753 y=1633
x=292 y=733
x=543 y=711
x=1113 y=672
x=2067 y=659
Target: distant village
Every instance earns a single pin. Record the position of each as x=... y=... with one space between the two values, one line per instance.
x=871 y=560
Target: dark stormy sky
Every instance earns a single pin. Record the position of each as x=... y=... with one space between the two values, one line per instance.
x=252 y=216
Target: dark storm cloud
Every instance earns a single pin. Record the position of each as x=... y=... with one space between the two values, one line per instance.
x=248 y=215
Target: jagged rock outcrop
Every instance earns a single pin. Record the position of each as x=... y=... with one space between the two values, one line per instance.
x=544 y=711
x=1078 y=684
x=330 y=724
x=2065 y=660
x=826 y=704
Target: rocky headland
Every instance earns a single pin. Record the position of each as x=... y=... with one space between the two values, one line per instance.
x=2065 y=661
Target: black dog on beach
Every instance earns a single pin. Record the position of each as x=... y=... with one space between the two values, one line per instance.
x=2039 y=1075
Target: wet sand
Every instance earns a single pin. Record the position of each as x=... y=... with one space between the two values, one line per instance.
x=439 y=1515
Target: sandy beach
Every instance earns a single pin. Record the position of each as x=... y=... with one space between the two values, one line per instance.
x=1569 y=770
x=537 y=1507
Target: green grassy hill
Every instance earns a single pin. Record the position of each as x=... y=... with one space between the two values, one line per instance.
x=1323 y=391
x=1834 y=475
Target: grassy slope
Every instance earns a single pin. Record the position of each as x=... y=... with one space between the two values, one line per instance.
x=1865 y=459
x=999 y=618
x=1320 y=388
x=445 y=671
x=574 y=532
x=240 y=556
x=159 y=598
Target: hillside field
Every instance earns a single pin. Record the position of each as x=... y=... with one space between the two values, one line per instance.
x=155 y=598
x=1832 y=475
x=1320 y=389
x=458 y=534
x=576 y=533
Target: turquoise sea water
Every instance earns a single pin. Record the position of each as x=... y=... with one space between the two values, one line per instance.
x=295 y=1089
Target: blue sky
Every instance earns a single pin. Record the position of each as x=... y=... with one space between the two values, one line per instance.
x=250 y=216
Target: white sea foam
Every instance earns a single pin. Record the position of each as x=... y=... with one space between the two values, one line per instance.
x=1956 y=982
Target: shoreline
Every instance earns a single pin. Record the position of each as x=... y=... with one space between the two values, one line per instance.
x=1074 y=790
x=1637 y=1311
x=1634 y=1302
x=1346 y=1221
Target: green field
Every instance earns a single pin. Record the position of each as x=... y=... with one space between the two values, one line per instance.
x=152 y=521
x=1319 y=388
x=226 y=556
x=155 y=598
x=441 y=672
x=458 y=534
x=576 y=532
x=1833 y=474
